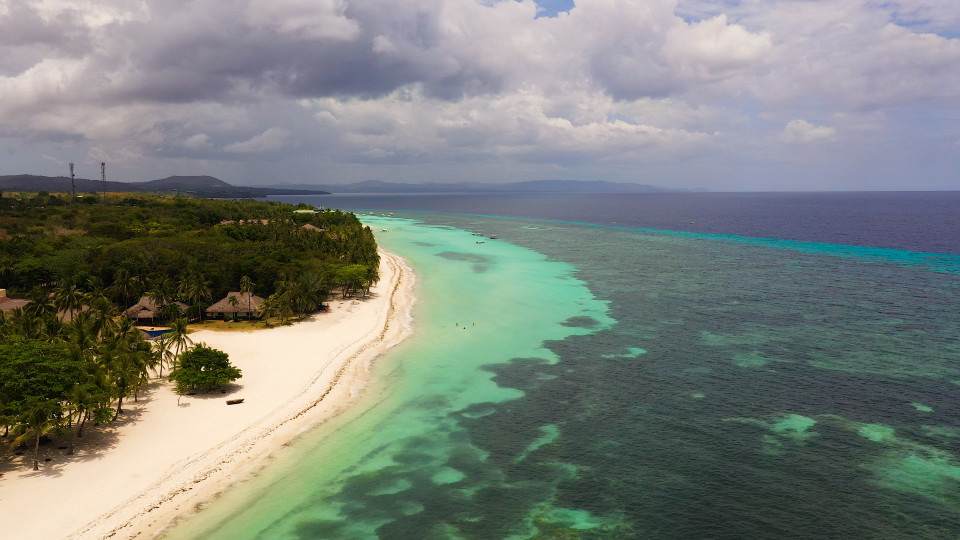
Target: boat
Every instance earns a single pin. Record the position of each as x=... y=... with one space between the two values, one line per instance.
x=234 y=401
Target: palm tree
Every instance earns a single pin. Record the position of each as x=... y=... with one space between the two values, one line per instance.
x=81 y=334
x=82 y=401
x=126 y=285
x=161 y=294
x=179 y=335
x=194 y=289
x=246 y=286
x=233 y=303
x=25 y=322
x=68 y=298
x=38 y=415
x=102 y=317
x=40 y=303
x=163 y=352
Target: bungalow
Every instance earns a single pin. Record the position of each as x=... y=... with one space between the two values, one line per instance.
x=145 y=309
x=245 y=304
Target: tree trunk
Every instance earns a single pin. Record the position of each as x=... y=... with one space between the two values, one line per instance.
x=36 y=453
x=119 y=409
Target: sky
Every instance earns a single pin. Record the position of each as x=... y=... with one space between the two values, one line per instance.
x=725 y=95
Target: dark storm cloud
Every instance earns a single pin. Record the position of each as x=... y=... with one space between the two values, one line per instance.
x=26 y=38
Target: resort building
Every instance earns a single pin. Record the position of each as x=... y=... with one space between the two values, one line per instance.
x=242 y=304
x=146 y=309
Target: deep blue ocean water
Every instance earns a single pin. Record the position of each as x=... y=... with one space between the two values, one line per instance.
x=780 y=366
x=916 y=221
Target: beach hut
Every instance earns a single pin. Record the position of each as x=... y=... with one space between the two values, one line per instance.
x=247 y=305
x=145 y=309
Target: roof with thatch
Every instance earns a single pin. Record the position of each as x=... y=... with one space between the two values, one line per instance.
x=247 y=303
x=146 y=309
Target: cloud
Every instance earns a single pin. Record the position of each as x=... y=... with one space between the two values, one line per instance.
x=197 y=142
x=803 y=131
x=634 y=82
x=270 y=140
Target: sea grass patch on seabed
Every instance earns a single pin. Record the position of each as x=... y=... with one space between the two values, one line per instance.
x=637 y=448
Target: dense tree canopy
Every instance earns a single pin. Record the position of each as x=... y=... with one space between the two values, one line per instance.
x=69 y=356
x=192 y=250
x=203 y=367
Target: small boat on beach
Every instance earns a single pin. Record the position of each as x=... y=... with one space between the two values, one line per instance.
x=234 y=401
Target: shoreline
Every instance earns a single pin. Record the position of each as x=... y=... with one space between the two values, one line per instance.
x=294 y=377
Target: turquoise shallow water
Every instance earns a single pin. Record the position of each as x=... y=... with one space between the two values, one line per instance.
x=387 y=462
x=633 y=383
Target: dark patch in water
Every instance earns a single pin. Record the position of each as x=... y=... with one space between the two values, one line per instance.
x=581 y=322
x=480 y=262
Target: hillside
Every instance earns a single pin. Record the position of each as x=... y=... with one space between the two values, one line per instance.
x=200 y=186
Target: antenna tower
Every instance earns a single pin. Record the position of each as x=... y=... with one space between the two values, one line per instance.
x=103 y=178
x=73 y=186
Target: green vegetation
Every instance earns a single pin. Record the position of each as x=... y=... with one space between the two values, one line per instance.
x=204 y=368
x=194 y=250
x=69 y=356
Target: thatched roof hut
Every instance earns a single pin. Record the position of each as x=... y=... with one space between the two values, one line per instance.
x=146 y=309
x=248 y=305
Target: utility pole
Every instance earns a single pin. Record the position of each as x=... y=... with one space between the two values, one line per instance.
x=103 y=178
x=73 y=186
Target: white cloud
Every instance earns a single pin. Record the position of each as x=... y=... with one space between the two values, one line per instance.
x=309 y=19
x=197 y=142
x=270 y=140
x=486 y=82
x=803 y=131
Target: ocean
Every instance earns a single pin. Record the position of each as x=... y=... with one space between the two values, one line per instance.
x=644 y=366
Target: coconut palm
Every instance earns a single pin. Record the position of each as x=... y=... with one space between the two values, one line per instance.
x=126 y=285
x=102 y=317
x=233 y=303
x=178 y=335
x=40 y=303
x=67 y=297
x=246 y=286
x=37 y=416
x=194 y=289
x=163 y=352
x=161 y=293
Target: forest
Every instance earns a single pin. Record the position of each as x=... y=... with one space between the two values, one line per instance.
x=67 y=354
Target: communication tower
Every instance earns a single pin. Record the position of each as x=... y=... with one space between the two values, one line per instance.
x=73 y=186
x=103 y=179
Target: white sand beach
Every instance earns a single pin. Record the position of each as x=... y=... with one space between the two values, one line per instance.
x=161 y=459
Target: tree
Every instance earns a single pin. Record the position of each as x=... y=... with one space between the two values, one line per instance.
x=126 y=285
x=234 y=303
x=203 y=367
x=163 y=352
x=41 y=304
x=67 y=297
x=161 y=293
x=194 y=289
x=178 y=335
x=38 y=415
x=246 y=286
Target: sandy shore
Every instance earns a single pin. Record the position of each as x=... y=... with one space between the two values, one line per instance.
x=161 y=459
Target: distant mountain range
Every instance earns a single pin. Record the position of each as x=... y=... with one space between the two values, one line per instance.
x=200 y=186
x=535 y=186
x=208 y=186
